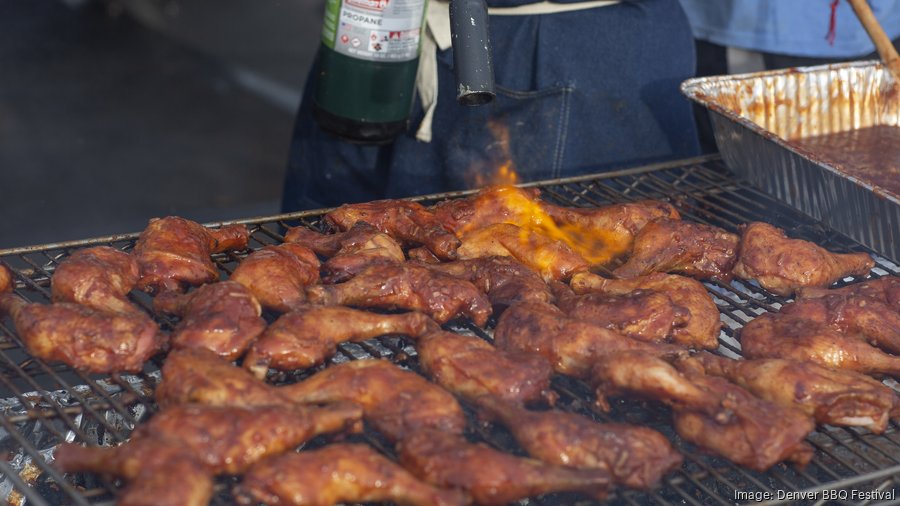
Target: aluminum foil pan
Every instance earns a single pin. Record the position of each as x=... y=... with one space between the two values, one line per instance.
x=756 y=116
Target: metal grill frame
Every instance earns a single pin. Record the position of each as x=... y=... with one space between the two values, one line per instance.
x=42 y=404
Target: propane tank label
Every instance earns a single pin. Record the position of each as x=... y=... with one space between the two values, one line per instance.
x=375 y=30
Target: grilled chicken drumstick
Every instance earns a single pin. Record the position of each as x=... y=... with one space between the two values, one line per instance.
x=792 y=336
x=886 y=290
x=470 y=367
x=348 y=252
x=278 y=275
x=157 y=473
x=100 y=277
x=782 y=265
x=859 y=315
x=552 y=259
x=174 y=252
x=637 y=457
x=490 y=476
x=408 y=222
x=504 y=280
x=203 y=441
x=223 y=317
x=831 y=396
x=407 y=286
x=711 y=412
x=82 y=337
x=645 y=315
x=309 y=335
x=339 y=473
x=692 y=249
x=702 y=328
x=394 y=401
x=572 y=346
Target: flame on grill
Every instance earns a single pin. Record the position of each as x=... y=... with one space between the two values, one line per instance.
x=598 y=247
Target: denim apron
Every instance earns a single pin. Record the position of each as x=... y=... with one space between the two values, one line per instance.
x=577 y=92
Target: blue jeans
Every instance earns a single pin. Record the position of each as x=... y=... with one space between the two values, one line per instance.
x=577 y=92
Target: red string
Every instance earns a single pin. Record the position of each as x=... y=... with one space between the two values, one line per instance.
x=832 y=23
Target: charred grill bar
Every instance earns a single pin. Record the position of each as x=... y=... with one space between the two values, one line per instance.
x=44 y=404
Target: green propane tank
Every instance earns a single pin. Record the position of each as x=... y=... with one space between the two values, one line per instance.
x=366 y=69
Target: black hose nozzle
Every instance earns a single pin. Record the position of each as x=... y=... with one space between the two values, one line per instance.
x=472 y=52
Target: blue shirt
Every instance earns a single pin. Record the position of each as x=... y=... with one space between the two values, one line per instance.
x=791 y=27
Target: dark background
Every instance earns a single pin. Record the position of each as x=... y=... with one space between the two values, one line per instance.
x=113 y=112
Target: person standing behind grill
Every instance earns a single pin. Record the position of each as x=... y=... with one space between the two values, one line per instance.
x=588 y=89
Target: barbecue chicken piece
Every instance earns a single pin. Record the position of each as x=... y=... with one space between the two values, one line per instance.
x=6 y=279
x=831 y=396
x=422 y=255
x=158 y=474
x=199 y=376
x=349 y=252
x=782 y=265
x=406 y=286
x=711 y=412
x=797 y=338
x=227 y=440
x=470 y=367
x=174 y=252
x=490 y=206
x=82 y=337
x=552 y=259
x=278 y=275
x=636 y=457
x=692 y=249
x=886 y=290
x=408 y=222
x=395 y=402
x=309 y=335
x=702 y=328
x=571 y=346
x=339 y=473
x=100 y=277
x=223 y=317
x=866 y=317
x=504 y=280
x=490 y=476
x=645 y=315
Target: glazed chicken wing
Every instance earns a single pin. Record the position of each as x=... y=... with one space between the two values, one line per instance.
x=504 y=280
x=797 y=338
x=339 y=473
x=228 y=440
x=702 y=327
x=552 y=259
x=396 y=402
x=100 y=277
x=408 y=222
x=831 y=396
x=572 y=346
x=82 y=337
x=278 y=275
x=634 y=456
x=645 y=315
x=490 y=476
x=782 y=265
x=223 y=317
x=199 y=376
x=174 y=252
x=470 y=367
x=309 y=335
x=158 y=473
x=350 y=252
x=711 y=412
x=886 y=290
x=692 y=249
x=410 y=287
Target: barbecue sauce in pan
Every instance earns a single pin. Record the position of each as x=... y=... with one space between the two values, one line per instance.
x=868 y=154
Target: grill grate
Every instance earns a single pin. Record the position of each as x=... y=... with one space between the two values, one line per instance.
x=44 y=404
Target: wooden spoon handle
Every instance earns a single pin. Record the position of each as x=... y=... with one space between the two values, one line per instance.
x=883 y=43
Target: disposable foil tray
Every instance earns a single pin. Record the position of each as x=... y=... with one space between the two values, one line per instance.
x=756 y=116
